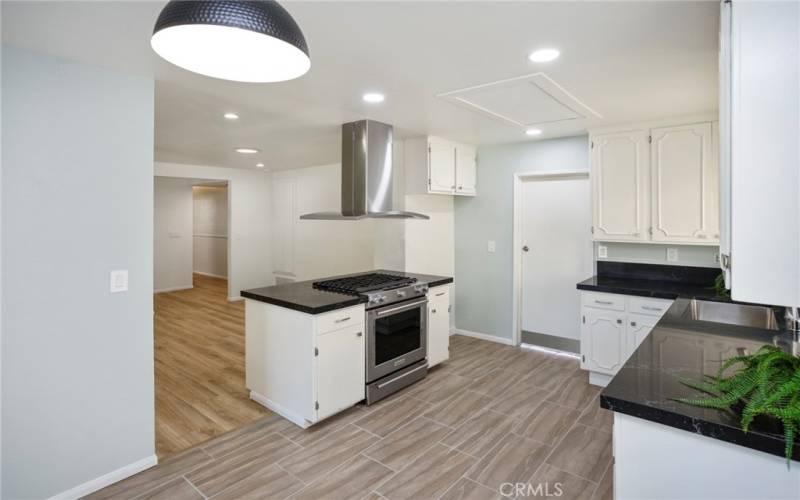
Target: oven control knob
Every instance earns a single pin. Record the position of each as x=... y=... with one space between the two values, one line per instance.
x=401 y=293
x=380 y=298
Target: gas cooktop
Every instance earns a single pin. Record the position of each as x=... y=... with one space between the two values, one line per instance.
x=364 y=283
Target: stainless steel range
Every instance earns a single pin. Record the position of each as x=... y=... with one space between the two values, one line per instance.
x=397 y=329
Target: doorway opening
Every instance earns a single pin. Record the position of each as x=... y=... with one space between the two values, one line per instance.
x=553 y=251
x=199 y=333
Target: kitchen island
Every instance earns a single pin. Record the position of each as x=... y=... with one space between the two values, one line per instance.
x=316 y=348
x=667 y=449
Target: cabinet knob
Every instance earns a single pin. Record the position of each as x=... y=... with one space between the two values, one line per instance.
x=619 y=321
x=359 y=334
x=633 y=323
x=433 y=311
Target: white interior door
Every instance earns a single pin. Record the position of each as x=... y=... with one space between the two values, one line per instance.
x=556 y=221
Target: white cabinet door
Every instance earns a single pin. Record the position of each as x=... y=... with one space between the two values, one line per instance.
x=466 y=172
x=602 y=340
x=441 y=167
x=685 y=185
x=620 y=186
x=438 y=325
x=638 y=327
x=340 y=370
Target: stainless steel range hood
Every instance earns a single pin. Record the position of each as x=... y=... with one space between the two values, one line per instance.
x=366 y=175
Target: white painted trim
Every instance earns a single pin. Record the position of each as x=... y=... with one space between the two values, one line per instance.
x=235 y=299
x=599 y=379
x=516 y=281
x=280 y=410
x=173 y=289
x=210 y=275
x=482 y=336
x=112 y=477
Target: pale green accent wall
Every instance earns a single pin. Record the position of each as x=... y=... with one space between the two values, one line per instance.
x=77 y=195
x=483 y=280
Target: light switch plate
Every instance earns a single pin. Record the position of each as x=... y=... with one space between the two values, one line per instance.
x=672 y=255
x=490 y=246
x=119 y=281
x=602 y=252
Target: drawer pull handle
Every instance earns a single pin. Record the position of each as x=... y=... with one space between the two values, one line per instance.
x=604 y=302
x=651 y=308
x=440 y=294
x=342 y=320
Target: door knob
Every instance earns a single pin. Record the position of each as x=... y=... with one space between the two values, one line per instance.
x=525 y=248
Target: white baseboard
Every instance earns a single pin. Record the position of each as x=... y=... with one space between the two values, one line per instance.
x=112 y=477
x=235 y=299
x=280 y=410
x=482 y=336
x=173 y=289
x=599 y=379
x=210 y=275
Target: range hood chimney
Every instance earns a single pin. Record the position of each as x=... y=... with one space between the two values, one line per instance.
x=366 y=175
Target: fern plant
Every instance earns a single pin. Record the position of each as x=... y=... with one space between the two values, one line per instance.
x=765 y=383
x=719 y=287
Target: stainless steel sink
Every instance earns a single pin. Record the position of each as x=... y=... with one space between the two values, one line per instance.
x=732 y=314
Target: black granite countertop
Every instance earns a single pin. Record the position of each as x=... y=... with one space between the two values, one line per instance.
x=675 y=350
x=302 y=296
x=653 y=280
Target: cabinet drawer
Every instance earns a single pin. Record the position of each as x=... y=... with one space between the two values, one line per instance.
x=341 y=318
x=652 y=307
x=604 y=301
x=439 y=293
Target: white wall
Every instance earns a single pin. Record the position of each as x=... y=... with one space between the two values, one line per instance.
x=430 y=244
x=77 y=194
x=311 y=249
x=172 y=234
x=249 y=193
x=210 y=252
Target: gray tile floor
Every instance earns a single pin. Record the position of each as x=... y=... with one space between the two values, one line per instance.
x=490 y=416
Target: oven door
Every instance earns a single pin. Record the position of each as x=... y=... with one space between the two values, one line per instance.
x=397 y=336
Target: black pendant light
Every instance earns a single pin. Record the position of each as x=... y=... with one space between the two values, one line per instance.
x=245 y=41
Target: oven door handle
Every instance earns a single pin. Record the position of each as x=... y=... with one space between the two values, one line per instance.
x=406 y=374
x=383 y=312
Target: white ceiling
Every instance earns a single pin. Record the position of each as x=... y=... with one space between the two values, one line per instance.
x=626 y=60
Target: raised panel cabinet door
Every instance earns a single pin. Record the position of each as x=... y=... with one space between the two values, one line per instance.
x=638 y=327
x=466 y=170
x=685 y=184
x=340 y=370
x=620 y=191
x=604 y=336
x=438 y=330
x=441 y=167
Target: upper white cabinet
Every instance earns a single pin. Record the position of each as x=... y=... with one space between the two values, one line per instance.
x=656 y=183
x=764 y=126
x=619 y=184
x=685 y=184
x=439 y=166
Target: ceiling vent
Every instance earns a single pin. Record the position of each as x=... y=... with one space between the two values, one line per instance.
x=523 y=101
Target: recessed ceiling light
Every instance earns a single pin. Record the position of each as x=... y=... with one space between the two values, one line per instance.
x=231 y=116
x=373 y=97
x=260 y=165
x=247 y=151
x=533 y=131
x=544 y=55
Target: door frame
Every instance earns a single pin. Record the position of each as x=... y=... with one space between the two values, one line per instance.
x=519 y=180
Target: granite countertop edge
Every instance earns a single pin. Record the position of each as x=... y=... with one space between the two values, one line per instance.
x=301 y=296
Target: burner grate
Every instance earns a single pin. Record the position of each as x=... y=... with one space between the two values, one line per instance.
x=355 y=285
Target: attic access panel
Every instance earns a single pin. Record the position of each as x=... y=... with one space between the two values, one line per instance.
x=523 y=101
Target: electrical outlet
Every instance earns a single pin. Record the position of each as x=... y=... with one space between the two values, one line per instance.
x=490 y=246
x=672 y=255
x=119 y=281
x=602 y=252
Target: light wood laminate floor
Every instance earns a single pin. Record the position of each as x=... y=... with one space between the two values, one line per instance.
x=491 y=415
x=199 y=366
